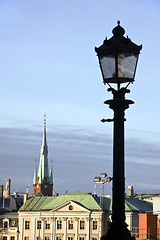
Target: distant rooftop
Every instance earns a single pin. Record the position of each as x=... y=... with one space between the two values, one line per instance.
x=147 y=192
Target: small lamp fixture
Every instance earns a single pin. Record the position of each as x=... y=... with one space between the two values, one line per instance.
x=97 y=179
x=103 y=175
x=118 y=58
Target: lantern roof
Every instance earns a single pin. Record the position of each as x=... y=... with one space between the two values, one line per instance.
x=117 y=43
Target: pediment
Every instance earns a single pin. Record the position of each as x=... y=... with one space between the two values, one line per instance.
x=71 y=206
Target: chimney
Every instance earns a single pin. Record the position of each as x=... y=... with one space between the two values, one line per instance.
x=8 y=185
x=25 y=198
x=1 y=191
x=56 y=194
x=130 y=191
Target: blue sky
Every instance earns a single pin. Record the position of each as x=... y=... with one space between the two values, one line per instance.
x=48 y=64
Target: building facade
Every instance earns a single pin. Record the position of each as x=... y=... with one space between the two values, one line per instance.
x=8 y=214
x=43 y=181
x=9 y=226
x=74 y=216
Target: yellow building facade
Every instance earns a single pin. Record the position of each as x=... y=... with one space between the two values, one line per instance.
x=70 y=221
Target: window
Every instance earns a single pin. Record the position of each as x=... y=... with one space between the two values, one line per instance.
x=6 y=202
x=26 y=238
x=82 y=225
x=12 y=238
x=27 y=225
x=38 y=238
x=70 y=225
x=5 y=224
x=38 y=224
x=46 y=238
x=70 y=238
x=5 y=238
x=58 y=238
x=47 y=224
x=70 y=207
x=81 y=238
x=94 y=238
x=13 y=223
x=94 y=225
x=59 y=225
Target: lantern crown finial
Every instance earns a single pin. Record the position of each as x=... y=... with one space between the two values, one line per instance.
x=118 y=30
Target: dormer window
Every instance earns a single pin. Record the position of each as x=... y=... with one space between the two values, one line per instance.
x=5 y=224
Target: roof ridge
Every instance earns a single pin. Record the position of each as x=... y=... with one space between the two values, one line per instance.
x=76 y=193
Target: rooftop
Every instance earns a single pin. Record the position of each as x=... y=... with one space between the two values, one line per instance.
x=86 y=200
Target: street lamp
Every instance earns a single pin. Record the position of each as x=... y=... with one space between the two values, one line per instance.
x=102 y=180
x=118 y=59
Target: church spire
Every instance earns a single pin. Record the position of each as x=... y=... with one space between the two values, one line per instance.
x=43 y=184
x=43 y=166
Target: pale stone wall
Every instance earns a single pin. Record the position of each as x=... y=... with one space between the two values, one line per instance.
x=81 y=218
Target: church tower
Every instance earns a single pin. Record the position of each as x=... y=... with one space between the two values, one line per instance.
x=43 y=181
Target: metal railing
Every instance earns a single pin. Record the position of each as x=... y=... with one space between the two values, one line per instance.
x=145 y=233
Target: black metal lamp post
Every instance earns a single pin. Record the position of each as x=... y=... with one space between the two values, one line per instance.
x=118 y=59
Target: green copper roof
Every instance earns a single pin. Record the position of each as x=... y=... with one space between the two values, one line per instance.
x=137 y=205
x=49 y=203
x=86 y=200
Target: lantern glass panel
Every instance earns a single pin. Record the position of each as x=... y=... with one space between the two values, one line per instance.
x=108 y=66
x=127 y=65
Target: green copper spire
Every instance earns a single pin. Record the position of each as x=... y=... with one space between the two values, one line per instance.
x=51 y=174
x=43 y=182
x=43 y=165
